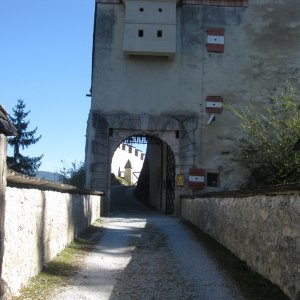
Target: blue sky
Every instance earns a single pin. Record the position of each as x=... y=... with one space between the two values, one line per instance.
x=46 y=54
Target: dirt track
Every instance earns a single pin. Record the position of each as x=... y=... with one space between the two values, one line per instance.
x=146 y=255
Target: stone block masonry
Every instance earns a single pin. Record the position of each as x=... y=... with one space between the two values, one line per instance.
x=38 y=225
x=262 y=230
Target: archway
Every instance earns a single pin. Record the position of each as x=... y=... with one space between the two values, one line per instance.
x=127 y=162
x=107 y=131
x=156 y=184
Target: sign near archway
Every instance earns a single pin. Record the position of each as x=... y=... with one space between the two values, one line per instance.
x=197 y=179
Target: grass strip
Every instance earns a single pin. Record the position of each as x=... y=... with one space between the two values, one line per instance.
x=58 y=273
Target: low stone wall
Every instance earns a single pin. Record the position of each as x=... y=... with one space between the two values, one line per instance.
x=38 y=225
x=262 y=230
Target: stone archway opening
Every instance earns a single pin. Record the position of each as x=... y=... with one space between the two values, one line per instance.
x=155 y=185
x=127 y=161
x=107 y=131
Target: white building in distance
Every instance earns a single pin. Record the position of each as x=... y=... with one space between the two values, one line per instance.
x=127 y=163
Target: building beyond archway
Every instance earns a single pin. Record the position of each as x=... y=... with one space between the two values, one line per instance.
x=127 y=163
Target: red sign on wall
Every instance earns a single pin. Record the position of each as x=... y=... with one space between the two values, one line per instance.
x=197 y=179
x=215 y=40
x=214 y=104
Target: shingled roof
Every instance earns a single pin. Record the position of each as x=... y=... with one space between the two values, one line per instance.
x=128 y=165
x=6 y=127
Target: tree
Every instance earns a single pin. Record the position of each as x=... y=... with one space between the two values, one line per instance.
x=270 y=132
x=73 y=175
x=18 y=162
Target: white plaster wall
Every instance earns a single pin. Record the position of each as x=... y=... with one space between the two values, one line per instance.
x=121 y=157
x=262 y=230
x=38 y=225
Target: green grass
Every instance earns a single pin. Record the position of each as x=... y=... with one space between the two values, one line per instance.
x=122 y=181
x=58 y=273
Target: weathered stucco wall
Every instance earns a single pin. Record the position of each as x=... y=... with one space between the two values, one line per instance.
x=264 y=231
x=38 y=225
x=261 y=53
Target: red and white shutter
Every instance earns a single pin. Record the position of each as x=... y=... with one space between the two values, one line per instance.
x=214 y=104
x=197 y=179
x=215 y=40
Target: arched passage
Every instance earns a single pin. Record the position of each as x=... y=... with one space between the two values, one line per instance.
x=107 y=131
x=156 y=184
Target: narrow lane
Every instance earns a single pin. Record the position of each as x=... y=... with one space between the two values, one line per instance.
x=146 y=255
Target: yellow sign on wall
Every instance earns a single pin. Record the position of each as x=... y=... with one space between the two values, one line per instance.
x=180 y=180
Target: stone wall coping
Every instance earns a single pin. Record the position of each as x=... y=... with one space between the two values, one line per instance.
x=18 y=180
x=273 y=190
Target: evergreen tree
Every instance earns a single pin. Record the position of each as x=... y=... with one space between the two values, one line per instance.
x=18 y=162
x=73 y=175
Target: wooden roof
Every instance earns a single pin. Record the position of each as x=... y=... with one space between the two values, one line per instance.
x=195 y=2
x=217 y=2
x=6 y=127
x=18 y=180
x=128 y=165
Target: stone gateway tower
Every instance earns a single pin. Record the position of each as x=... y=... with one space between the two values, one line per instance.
x=163 y=70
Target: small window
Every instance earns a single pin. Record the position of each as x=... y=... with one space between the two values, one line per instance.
x=136 y=152
x=141 y=9
x=123 y=147
x=213 y=179
x=159 y=33
x=110 y=131
x=142 y=156
x=141 y=33
x=130 y=149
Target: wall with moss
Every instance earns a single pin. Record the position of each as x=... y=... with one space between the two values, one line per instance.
x=262 y=230
x=38 y=225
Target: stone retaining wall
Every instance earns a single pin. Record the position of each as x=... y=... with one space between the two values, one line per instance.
x=262 y=230
x=38 y=225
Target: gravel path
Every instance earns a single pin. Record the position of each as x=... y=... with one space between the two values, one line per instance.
x=146 y=255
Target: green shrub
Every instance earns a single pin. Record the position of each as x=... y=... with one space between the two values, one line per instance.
x=73 y=175
x=269 y=133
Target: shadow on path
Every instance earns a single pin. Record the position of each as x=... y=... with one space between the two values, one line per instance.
x=174 y=260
